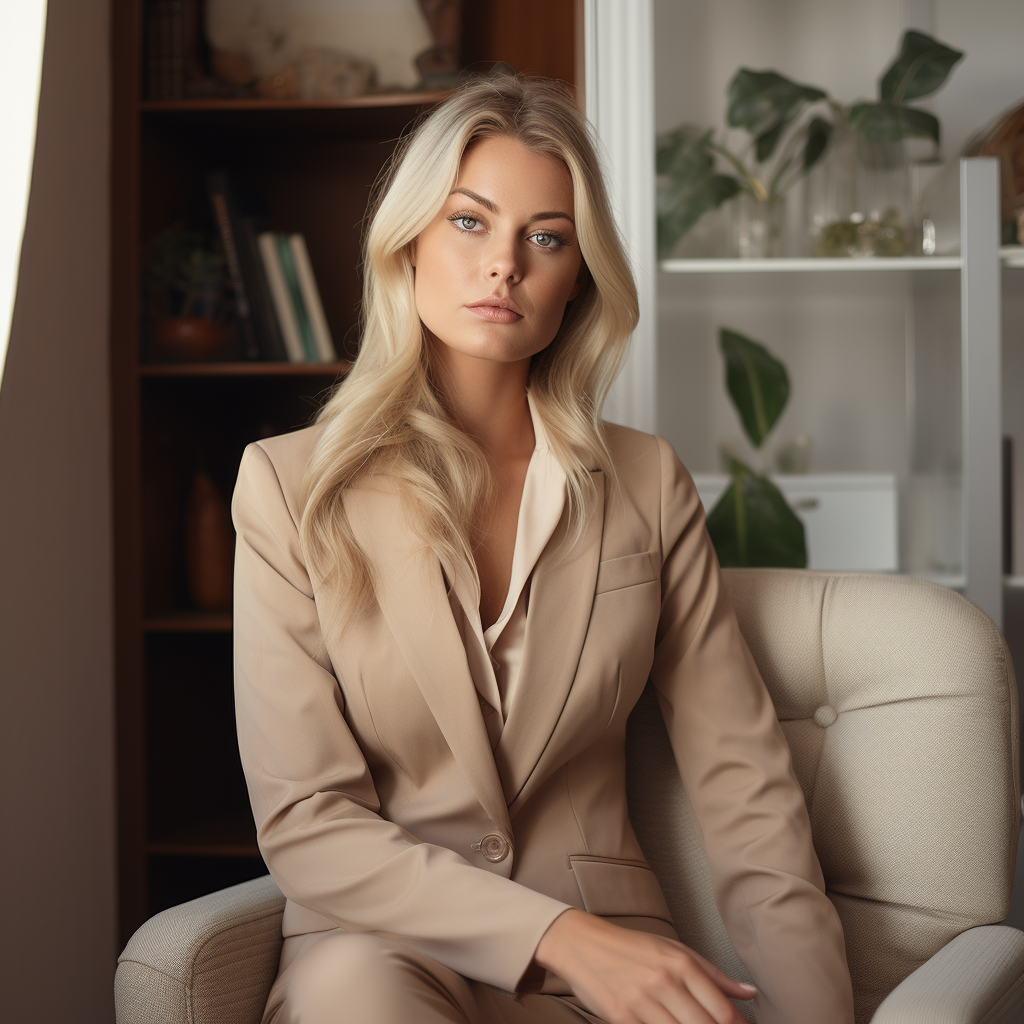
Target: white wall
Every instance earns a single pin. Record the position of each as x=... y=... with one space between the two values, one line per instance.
x=57 y=943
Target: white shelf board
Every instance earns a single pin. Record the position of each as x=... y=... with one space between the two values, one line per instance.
x=1014 y=582
x=784 y=264
x=1012 y=255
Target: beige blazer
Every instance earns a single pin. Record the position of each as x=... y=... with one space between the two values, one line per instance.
x=380 y=806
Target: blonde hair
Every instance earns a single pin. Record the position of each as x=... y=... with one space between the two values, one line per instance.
x=387 y=414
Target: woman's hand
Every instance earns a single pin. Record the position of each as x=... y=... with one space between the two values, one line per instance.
x=630 y=977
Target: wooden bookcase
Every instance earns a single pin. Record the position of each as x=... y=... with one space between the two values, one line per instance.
x=184 y=822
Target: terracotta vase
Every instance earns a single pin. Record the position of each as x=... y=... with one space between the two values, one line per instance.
x=188 y=338
x=209 y=541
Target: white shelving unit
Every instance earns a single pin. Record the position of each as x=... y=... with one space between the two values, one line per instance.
x=620 y=100
x=791 y=265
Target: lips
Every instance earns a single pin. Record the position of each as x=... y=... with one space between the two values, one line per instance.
x=497 y=310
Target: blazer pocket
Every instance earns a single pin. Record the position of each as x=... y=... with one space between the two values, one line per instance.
x=627 y=571
x=619 y=888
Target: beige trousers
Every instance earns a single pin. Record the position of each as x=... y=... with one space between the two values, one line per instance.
x=338 y=977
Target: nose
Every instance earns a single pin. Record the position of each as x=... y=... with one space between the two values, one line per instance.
x=503 y=263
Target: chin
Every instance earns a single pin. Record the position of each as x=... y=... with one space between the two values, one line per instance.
x=495 y=346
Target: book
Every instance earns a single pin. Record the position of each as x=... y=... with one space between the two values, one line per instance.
x=165 y=49
x=291 y=276
x=226 y=216
x=268 y=328
x=325 y=349
x=281 y=295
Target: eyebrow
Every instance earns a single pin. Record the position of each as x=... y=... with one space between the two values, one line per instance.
x=488 y=205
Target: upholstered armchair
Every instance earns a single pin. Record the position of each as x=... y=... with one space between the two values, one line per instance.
x=899 y=703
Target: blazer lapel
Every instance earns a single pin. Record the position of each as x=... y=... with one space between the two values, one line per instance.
x=561 y=598
x=412 y=598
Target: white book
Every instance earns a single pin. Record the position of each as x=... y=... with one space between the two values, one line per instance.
x=282 y=299
x=311 y=296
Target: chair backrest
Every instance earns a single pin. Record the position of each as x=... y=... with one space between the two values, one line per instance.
x=898 y=700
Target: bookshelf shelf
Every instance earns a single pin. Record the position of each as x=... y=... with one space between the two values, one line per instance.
x=252 y=369
x=373 y=100
x=189 y=622
x=231 y=837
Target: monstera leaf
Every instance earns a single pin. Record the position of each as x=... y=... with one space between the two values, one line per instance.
x=819 y=132
x=753 y=525
x=765 y=103
x=693 y=187
x=757 y=382
x=889 y=122
x=921 y=67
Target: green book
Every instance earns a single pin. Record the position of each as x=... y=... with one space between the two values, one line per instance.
x=291 y=276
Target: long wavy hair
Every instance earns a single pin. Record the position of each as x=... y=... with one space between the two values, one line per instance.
x=388 y=415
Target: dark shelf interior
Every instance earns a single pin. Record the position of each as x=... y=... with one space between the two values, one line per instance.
x=174 y=880
x=244 y=369
x=188 y=422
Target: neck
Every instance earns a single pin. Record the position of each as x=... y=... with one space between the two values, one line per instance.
x=487 y=400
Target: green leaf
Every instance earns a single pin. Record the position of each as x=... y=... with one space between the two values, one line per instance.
x=752 y=524
x=693 y=188
x=819 y=132
x=765 y=103
x=757 y=383
x=682 y=208
x=921 y=67
x=683 y=152
x=890 y=122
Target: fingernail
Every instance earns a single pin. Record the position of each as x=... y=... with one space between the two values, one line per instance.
x=750 y=988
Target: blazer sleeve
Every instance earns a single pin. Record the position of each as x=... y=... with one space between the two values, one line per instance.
x=317 y=813
x=737 y=771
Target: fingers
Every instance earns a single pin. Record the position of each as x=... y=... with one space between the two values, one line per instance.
x=733 y=988
x=675 y=1007
x=699 y=988
x=630 y=977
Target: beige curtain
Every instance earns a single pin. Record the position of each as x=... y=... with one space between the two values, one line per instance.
x=22 y=28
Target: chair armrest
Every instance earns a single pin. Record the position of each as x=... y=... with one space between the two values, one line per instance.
x=976 y=978
x=210 y=961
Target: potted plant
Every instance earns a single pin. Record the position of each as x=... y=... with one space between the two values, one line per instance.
x=752 y=523
x=184 y=285
x=858 y=203
x=853 y=207
x=768 y=106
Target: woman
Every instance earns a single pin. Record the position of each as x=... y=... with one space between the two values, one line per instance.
x=450 y=592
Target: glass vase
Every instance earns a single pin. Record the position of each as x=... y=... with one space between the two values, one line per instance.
x=755 y=226
x=858 y=198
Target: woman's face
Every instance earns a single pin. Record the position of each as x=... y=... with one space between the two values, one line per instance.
x=495 y=268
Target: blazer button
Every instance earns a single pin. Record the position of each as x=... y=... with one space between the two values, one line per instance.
x=493 y=847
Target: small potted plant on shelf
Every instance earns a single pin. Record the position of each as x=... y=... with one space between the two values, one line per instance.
x=184 y=295
x=858 y=196
x=768 y=106
x=859 y=201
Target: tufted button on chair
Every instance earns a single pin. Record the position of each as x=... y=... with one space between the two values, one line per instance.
x=899 y=703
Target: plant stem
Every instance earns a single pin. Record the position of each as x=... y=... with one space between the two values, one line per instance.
x=755 y=184
x=756 y=397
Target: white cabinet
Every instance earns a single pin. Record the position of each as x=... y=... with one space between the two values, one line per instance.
x=851 y=520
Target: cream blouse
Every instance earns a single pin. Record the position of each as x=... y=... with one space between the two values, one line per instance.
x=495 y=654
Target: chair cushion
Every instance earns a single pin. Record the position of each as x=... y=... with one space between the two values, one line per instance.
x=898 y=701
x=210 y=961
